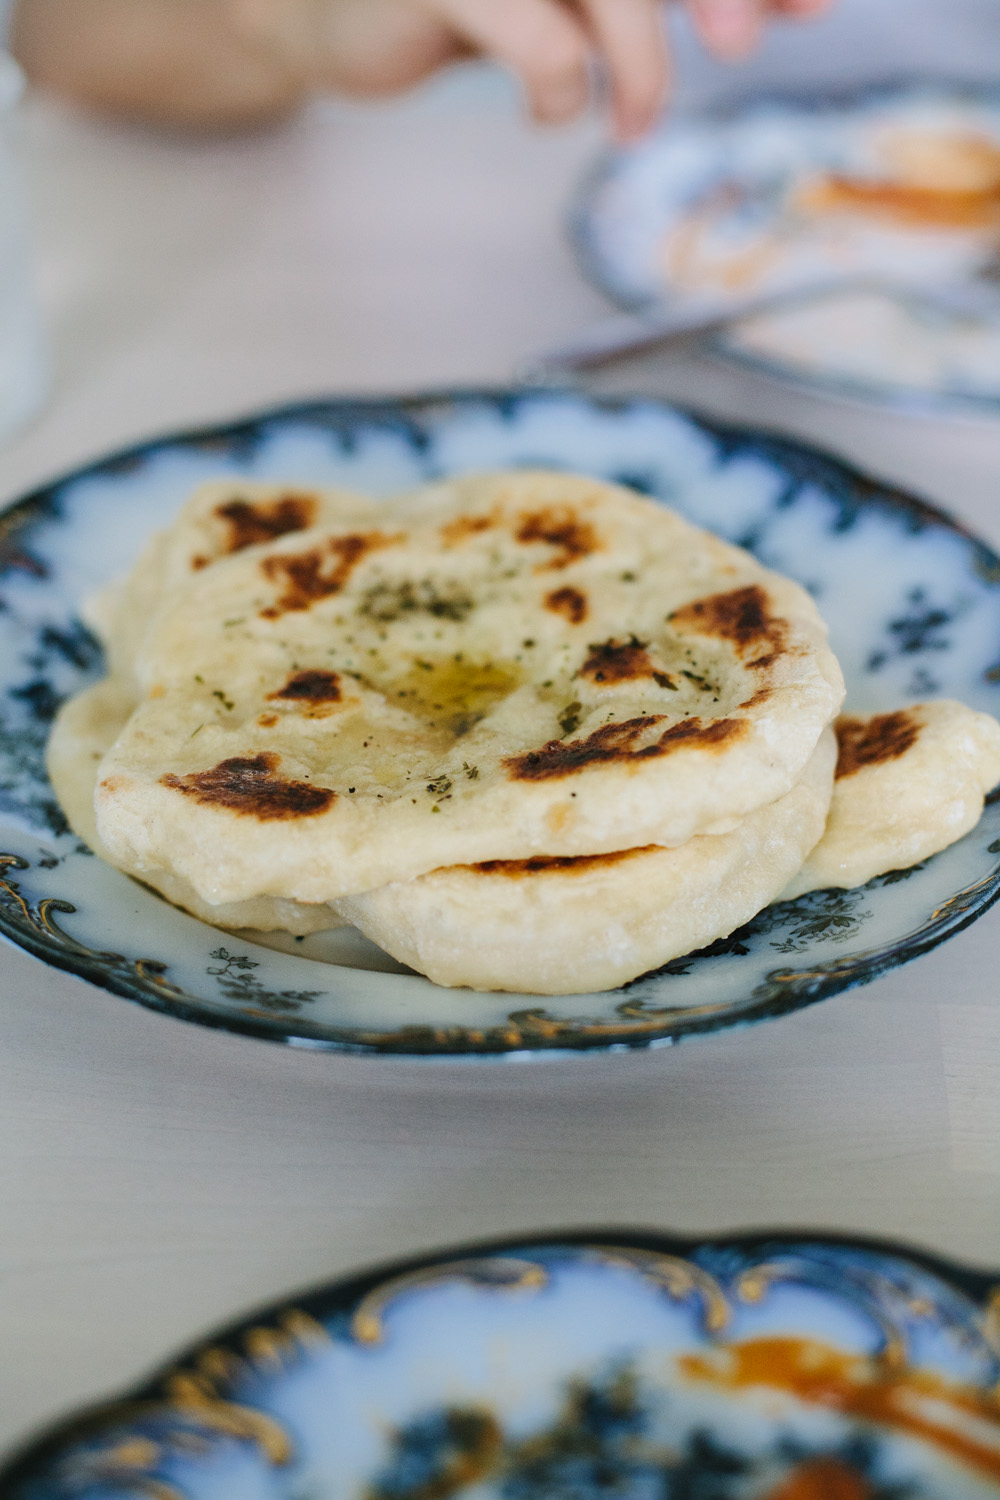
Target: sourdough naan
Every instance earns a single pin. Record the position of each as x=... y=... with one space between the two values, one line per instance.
x=83 y=730
x=221 y=517
x=566 y=926
x=908 y=784
x=494 y=667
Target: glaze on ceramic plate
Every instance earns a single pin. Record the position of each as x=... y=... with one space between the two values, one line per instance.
x=913 y=603
x=591 y=1365
x=786 y=197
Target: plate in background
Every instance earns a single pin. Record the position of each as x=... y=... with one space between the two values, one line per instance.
x=698 y=215
x=913 y=602
x=777 y=1366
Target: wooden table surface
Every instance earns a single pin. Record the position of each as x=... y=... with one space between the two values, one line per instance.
x=157 y=1177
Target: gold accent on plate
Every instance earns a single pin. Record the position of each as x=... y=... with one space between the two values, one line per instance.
x=524 y=1029
x=195 y=1397
x=991 y=1320
x=754 y=1284
x=269 y=1348
x=41 y=918
x=961 y=899
x=127 y=1463
x=498 y=1273
x=220 y=1366
x=133 y=1453
x=680 y=1278
x=307 y=1331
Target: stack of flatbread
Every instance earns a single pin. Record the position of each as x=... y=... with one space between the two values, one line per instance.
x=527 y=731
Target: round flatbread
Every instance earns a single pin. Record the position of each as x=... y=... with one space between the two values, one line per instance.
x=496 y=667
x=908 y=784
x=565 y=926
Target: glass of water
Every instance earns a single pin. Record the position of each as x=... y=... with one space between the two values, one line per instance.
x=23 y=373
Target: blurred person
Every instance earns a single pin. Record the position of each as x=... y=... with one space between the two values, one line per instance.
x=224 y=64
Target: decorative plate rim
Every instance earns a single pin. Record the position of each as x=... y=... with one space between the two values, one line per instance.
x=527 y=1034
x=28 y=1458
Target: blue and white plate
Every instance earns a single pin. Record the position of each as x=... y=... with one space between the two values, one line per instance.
x=912 y=600
x=712 y=212
x=621 y=1366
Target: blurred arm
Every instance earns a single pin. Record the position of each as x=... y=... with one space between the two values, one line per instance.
x=186 y=63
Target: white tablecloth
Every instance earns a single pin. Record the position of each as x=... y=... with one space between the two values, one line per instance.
x=156 y=1177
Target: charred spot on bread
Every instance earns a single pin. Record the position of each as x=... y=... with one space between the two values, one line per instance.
x=454 y=533
x=741 y=616
x=570 y=603
x=871 y=742
x=306 y=577
x=619 y=744
x=314 y=685
x=560 y=527
x=250 y=522
x=622 y=661
x=761 y=696
x=248 y=784
x=562 y=864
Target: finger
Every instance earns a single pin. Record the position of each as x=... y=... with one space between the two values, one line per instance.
x=631 y=40
x=729 y=28
x=795 y=9
x=540 y=40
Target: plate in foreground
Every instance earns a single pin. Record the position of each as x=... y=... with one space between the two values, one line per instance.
x=763 y=1367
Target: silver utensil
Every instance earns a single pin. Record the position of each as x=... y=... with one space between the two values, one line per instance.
x=639 y=333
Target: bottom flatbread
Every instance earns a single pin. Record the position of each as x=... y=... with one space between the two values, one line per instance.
x=553 y=926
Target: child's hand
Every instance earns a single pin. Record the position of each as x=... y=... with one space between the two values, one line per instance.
x=210 y=63
x=375 y=46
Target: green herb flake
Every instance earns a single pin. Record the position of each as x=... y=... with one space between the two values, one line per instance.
x=569 y=719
